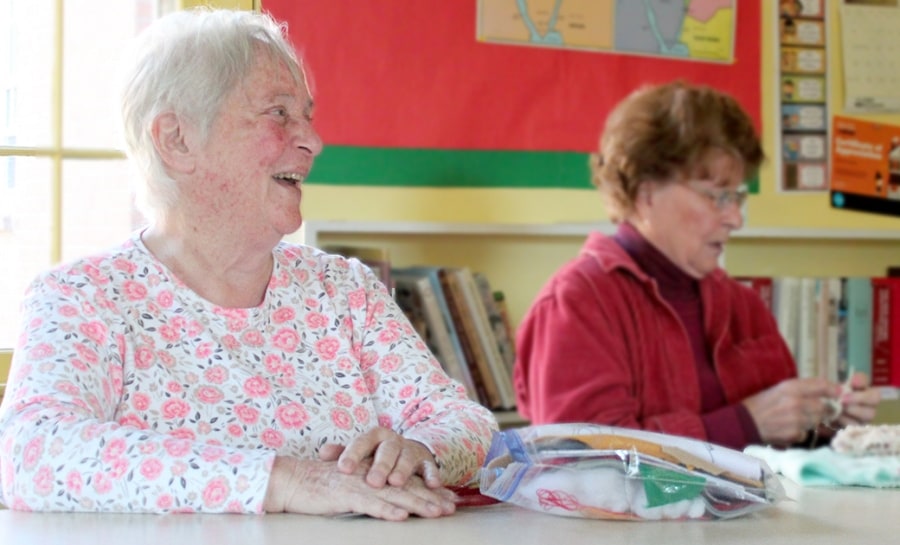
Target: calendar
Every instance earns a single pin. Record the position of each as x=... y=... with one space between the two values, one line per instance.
x=871 y=52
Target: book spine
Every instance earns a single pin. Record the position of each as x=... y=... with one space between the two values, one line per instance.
x=488 y=341
x=438 y=332
x=787 y=312
x=763 y=286
x=859 y=325
x=894 y=332
x=503 y=309
x=486 y=392
x=504 y=341
x=807 y=348
x=434 y=278
x=841 y=354
x=829 y=307
x=881 y=332
x=460 y=292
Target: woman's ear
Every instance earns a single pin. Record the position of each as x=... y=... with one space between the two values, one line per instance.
x=643 y=203
x=644 y=195
x=169 y=138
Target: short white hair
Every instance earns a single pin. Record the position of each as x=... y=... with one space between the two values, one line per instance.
x=186 y=63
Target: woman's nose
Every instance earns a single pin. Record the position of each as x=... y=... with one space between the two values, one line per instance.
x=306 y=137
x=733 y=215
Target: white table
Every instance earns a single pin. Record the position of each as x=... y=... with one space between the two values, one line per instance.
x=846 y=516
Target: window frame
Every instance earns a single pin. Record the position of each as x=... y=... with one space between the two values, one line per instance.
x=57 y=153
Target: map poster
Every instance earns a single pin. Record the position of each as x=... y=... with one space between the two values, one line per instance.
x=696 y=30
x=865 y=166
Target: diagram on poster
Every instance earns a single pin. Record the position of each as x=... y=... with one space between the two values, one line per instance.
x=871 y=53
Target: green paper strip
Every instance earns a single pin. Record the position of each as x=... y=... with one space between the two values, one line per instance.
x=350 y=165
x=407 y=167
x=664 y=486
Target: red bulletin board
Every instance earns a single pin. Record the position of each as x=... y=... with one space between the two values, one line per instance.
x=404 y=88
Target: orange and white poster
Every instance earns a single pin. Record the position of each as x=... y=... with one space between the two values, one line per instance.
x=865 y=166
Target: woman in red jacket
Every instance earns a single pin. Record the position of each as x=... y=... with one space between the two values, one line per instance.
x=643 y=329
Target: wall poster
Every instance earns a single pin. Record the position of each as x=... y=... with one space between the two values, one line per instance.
x=865 y=172
x=803 y=95
x=408 y=94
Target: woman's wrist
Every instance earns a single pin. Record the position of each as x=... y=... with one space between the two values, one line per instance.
x=283 y=469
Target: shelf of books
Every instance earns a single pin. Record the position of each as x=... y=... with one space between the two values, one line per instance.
x=461 y=317
x=836 y=326
x=833 y=326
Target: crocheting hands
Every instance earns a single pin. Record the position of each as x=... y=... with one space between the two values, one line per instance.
x=859 y=401
x=785 y=413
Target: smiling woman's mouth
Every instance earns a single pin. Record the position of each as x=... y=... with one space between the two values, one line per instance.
x=289 y=178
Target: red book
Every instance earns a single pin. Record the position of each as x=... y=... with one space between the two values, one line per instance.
x=894 y=332
x=762 y=285
x=885 y=331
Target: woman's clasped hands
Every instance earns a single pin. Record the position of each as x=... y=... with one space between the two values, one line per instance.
x=380 y=474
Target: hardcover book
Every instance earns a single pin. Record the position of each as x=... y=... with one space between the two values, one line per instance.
x=418 y=296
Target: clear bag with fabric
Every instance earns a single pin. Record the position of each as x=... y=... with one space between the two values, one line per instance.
x=603 y=472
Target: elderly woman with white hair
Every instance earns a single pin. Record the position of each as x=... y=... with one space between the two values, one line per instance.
x=205 y=365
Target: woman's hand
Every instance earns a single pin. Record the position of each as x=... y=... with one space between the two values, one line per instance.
x=859 y=402
x=394 y=459
x=786 y=412
x=318 y=487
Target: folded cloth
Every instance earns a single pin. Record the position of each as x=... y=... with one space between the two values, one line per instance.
x=825 y=467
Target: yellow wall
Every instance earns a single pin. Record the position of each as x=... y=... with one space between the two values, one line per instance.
x=5 y=358
x=533 y=260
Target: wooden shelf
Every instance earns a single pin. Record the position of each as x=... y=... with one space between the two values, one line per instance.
x=313 y=230
x=509 y=419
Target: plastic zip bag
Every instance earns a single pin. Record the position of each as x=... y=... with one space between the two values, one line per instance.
x=604 y=472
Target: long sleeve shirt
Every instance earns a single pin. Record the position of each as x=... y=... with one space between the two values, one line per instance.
x=129 y=392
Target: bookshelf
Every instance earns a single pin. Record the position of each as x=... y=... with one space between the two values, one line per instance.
x=519 y=257
x=314 y=230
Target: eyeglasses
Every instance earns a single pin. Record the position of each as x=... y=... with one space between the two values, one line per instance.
x=721 y=198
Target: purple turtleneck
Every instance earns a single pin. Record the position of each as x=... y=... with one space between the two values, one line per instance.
x=728 y=425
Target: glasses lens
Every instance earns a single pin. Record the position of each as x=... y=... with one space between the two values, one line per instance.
x=728 y=197
x=740 y=196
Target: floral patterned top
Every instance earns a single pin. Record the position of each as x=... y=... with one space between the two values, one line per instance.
x=130 y=393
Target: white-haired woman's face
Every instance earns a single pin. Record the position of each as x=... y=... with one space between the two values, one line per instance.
x=260 y=149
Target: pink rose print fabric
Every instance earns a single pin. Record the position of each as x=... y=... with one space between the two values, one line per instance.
x=130 y=393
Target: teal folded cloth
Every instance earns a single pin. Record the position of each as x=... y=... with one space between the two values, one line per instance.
x=825 y=467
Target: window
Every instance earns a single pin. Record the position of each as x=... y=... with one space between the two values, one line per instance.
x=64 y=182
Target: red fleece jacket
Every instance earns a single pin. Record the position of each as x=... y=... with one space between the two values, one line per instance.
x=600 y=344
